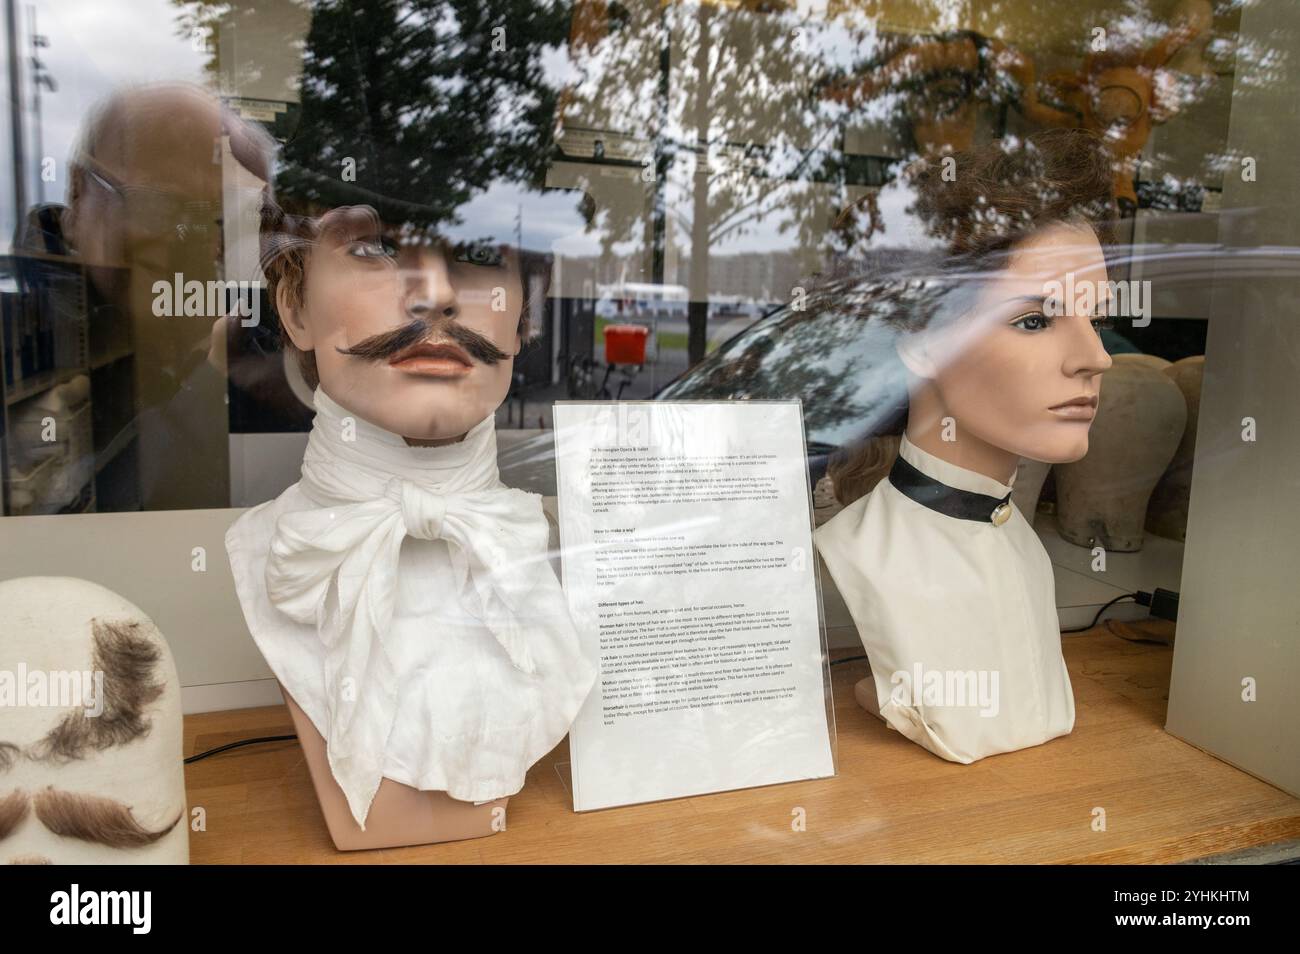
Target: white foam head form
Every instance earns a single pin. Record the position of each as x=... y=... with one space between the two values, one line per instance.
x=49 y=626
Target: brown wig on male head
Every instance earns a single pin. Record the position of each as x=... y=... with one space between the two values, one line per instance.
x=979 y=206
x=287 y=240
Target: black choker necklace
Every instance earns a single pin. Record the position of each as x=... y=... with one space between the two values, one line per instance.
x=938 y=496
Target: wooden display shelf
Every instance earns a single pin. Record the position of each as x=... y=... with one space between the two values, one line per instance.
x=37 y=383
x=892 y=802
x=111 y=356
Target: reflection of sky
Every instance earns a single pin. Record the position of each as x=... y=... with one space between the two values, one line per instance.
x=97 y=47
x=549 y=221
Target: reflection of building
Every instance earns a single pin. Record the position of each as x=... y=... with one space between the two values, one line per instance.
x=759 y=276
x=746 y=276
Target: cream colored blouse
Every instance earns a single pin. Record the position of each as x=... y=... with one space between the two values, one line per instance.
x=957 y=616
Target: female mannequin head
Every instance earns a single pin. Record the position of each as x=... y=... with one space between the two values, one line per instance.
x=1002 y=375
x=997 y=347
x=410 y=332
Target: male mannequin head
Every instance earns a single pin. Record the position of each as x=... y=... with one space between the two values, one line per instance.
x=414 y=333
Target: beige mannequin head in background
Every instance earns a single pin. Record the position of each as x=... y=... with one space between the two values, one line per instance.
x=1102 y=499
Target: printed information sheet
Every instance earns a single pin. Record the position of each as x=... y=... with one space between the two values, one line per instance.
x=687 y=556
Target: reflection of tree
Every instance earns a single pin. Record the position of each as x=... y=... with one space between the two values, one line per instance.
x=1258 y=69
x=715 y=96
x=940 y=81
x=732 y=138
x=1115 y=94
x=1158 y=37
x=432 y=100
x=251 y=30
x=731 y=134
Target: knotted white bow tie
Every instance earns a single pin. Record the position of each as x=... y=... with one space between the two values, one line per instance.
x=336 y=567
x=324 y=563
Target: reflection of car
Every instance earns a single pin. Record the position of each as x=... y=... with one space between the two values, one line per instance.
x=773 y=358
x=830 y=360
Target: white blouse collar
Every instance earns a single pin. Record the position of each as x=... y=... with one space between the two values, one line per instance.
x=951 y=474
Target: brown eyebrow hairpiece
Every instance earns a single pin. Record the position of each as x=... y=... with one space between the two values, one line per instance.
x=128 y=660
x=104 y=821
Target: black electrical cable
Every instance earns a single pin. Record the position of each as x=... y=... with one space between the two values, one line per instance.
x=846 y=659
x=1097 y=619
x=235 y=745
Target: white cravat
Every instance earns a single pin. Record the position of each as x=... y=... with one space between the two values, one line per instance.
x=336 y=567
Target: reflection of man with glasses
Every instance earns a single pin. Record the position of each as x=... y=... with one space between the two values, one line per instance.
x=145 y=205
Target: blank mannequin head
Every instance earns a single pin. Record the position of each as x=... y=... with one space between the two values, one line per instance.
x=90 y=769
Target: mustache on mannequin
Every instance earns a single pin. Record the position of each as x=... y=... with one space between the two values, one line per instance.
x=389 y=344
